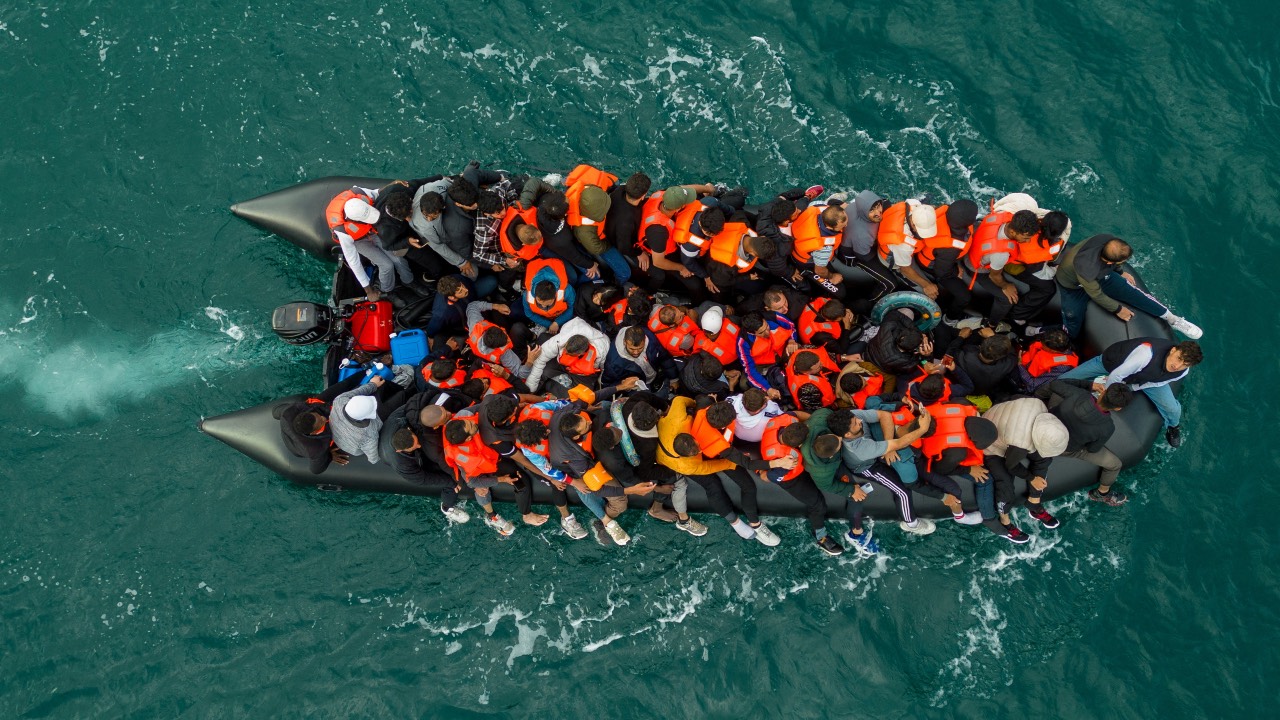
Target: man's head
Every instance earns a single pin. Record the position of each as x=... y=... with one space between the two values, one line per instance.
x=460 y=430
x=464 y=194
x=431 y=204
x=754 y=323
x=500 y=409
x=530 y=432
x=633 y=340
x=794 y=435
x=310 y=423
x=528 y=234
x=490 y=205
x=574 y=426
x=399 y=206
x=554 y=205
x=475 y=388
x=711 y=221
x=930 y=389
x=835 y=218
x=876 y=211
x=776 y=300
x=782 y=212
x=404 y=441
x=1056 y=339
x=1117 y=396
x=995 y=349
x=1184 y=355
x=1022 y=226
x=721 y=415
x=452 y=287
x=495 y=337
x=754 y=400
x=577 y=346
x=544 y=295
x=685 y=445
x=909 y=341
x=826 y=446
x=844 y=424
x=852 y=382
x=442 y=369
x=961 y=215
x=981 y=431
x=433 y=416
x=806 y=361
x=1116 y=251
x=759 y=246
x=669 y=315
x=1053 y=224
x=832 y=311
x=810 y=397
x=644 y=417
x=636 y=187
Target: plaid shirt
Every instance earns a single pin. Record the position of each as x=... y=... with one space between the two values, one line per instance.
x=486 y=250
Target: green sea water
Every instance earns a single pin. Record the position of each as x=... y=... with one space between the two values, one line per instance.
x=149 y=571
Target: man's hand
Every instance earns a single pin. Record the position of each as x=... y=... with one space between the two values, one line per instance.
x=554 y=328
x=979 y=473
x=503 y=309
x=858 y=493
x=558 y=484
x=965 y=333
x=784 y=463
x=930 y=290
x=1124 y=313
x=593 y=272
x=533 y=355
x=926 y=346
x=339 y=456
x=1099 y=388
x=853 y=357
x=986 y=332
x=644 y=262
x=773 y=394
x=400 y=182
x=377 y=381
x=508 y=479
x=1039 y=484
x=372 y=295
x=711 y=286
x=792 y=347
x=468 y=269
x=512 y=262
x=643 y=488
x=628 y=383
x=1010 y=293
x=415 y=242
x=1129 y=278
x=891 y=457
x=797 y=277
x=685 y=272
x=453 y=343
x=923 y=417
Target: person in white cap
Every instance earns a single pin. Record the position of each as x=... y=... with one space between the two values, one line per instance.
x=354 y=233
x=355 y=423
x=902 y=227
x=1026 y=430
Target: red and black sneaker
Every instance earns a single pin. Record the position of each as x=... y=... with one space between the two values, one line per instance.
x=1015 y=535
x=1044 y=517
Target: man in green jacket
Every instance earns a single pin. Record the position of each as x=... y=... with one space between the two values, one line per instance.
x=822 y=460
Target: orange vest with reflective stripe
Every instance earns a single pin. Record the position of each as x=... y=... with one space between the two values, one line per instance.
x=949 y=432
x=531 y=272
x=584 y=364
x=795 y=380
x=672 y=337
x=458 y=377
x=710 y=440
x=651 y=215
x=811 y=325
x=942 y=241
x=579 y=178
x=473 y=340
x=335 y=216
x=766 y=349
x=472 y=458
x=529 y=217
x=771 y=448
x=1037 y=250
x=806 y=230
x=946 y=386
x=496 y=384
x=683 y=232
x=987 y=242
x=891 y=230
x=871 y=386
x=726 y=245
x=725 y=347
x=543 y=416
x=1039 y=359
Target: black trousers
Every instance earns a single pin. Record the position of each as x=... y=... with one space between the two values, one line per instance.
x=713 y=486
x=801 y=487
x=1003 y=480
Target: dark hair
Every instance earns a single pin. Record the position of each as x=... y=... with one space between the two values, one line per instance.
x=754 y=399
x=644 y=416
x=544 y=290
x=531 y=432
x=568 y=424
x=711 y=221
x=473 y=388
x=669 y=311
x=833 y=310
x=606 y=440
x=499 y=408
x=554 y=205
x=577 y=345
x=794 y=435
x=910 y=339
x=638 y=303
x=609 y=294
x=1125 y=251
x=826 y=446
x=1056 y=339
x=930 y=389
x=431 y=203
x=774 y=293
x=634 y=335
x=455 y=431
x=489 y=202
x=448 y=285
x=806 y=360
x=1117 y=396
x=402 y=440
x=1190 y=352
x=709 y=367
x=1024 y=222
x=781 y=210
x=996 y=347
x=462 y=192
x=721 y=414
x=443 y=368
x=763 y=246
x=399 y=205
x=495 y=337
x=1053 y=224
x=637 y=186
x=307 y=423
x=810 y=397
x=852 y=382
x=685 y=445
x=839 y=422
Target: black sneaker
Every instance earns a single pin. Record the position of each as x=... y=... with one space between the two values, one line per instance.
x=829 y=546
x=1115 y=498
x=1174 y=436
x=1044 y=517
x=1015 y=535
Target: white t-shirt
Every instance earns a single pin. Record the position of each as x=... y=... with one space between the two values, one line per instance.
x=751 y=427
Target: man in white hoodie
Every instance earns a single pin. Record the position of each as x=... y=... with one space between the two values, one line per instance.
x=578 y=350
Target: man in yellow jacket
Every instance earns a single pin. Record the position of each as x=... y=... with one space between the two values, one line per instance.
x=678 y=450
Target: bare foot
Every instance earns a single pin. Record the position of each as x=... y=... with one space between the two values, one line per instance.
x=535 y=519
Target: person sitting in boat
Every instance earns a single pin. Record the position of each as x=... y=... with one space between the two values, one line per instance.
x=731 y=261
x=304 y=427
x=448 y=322
x=352 y=218
x=815 y=235
x=404 y=451
x=480 y=467
x=1148 y=364
x=548 y=295
x=824 y=462
x=487 y=253
x=659 y=256
x=903 y=226
x=622 y=224
x=867 y=458
x=573 y=356
x=552 y=218
x=587 y=192
x=492 y=344
x=898 y=349
x=1089 y=426
x=990 y=360
x=634 y=352
x=1091 y=271
x=858 y=244
x=356 y=418
x=995 y=244
x=773 y=221
x=1026 y=432
x=939 y=259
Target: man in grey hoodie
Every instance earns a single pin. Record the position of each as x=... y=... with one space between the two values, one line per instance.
x=857 y=250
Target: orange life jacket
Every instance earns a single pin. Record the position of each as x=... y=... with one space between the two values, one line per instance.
x=472 y=458
x=766 y=349
x=1039 y=359
x=1037 y=250
x=946 y=386
x=771 y=448
x=458 y=377
x=891 y=230
x=726 y=245
x=987 y=242
x=871 y=386
x=473 y=340
x=710 y=440
x=949 y=432
x=531 y=272
x=807 y=232
x=810 y=324
x=822 y=380
x=672 y=337
x=584 y=364
x=543 y=416
x=904 y=416
x=335 y=216
x=579 y=178
x=725 y=347
x=942 y=241
x=651 y=215
x=683 y=232
x=528 y=217
x=496 y=384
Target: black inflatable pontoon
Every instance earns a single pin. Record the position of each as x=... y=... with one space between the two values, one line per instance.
x=296 y=214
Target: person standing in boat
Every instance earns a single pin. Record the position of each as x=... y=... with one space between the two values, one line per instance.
x=1089 y=426
x=352 y=219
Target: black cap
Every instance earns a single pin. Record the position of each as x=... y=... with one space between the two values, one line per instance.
x=981 y=431
x=960 y=217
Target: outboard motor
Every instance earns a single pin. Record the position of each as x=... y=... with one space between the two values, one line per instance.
x=304 y=323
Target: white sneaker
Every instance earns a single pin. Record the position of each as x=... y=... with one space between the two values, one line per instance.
x=766 y=536
x=950 y=323
x=969 y=323
x=1003 y=327
x=969 y=518
x=572 y=527
x=616 y=532
x=691 y=526
x=502 y=525
x=923 y=526
x=455 y=514
x=1186 y=327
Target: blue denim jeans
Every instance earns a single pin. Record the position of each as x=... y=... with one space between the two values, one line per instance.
x=616 y=263
x=1074 y=302
x=1161 y=396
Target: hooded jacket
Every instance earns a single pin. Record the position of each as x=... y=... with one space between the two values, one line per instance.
x=860 y=234
x=679 y=420
x=655 y=363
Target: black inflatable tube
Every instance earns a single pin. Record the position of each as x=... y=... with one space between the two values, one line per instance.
x=295 y=214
